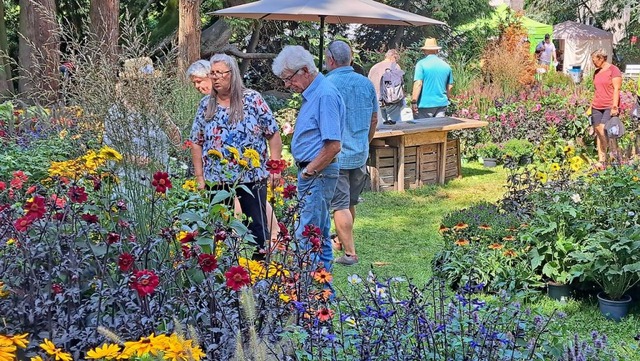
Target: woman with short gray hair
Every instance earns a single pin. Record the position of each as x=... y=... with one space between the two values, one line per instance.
x=198 y=74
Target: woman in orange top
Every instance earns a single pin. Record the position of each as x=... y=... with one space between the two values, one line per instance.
x=607 y=81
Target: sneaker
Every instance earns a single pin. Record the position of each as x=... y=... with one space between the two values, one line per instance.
x=347 y=260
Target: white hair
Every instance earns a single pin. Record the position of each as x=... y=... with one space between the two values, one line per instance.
x=293 y=58
x=340 y=52
x=199 y=69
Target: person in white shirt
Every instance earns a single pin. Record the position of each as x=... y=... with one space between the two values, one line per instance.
x=547 y=51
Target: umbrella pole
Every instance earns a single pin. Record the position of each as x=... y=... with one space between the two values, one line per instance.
x=321 y=53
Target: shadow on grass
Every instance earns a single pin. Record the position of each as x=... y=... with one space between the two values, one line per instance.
x=468 y=172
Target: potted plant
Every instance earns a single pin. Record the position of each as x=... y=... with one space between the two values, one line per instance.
x=555 y=233
x=490 y=153
x=611 y=258
x=518 y=150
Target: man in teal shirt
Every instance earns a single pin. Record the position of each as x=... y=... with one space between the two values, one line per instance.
x=432 y=83
x=360 y=125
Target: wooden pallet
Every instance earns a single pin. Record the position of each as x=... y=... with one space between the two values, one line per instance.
x=421 y=165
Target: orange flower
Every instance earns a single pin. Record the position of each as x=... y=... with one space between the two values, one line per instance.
x=496 y=246
x=508 y=238
x=512 y=229
x=524 y=225
x=462 y=242
x=510 y=253
x=324 y=314
x=459 y=226
x=322 y=276
x=484 y=226
x=443 y=228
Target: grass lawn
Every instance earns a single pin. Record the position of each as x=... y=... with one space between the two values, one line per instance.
x=396 y=234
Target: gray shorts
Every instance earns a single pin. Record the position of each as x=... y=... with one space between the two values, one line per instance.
x=351 y=182
x=435 y=112
x=391 y=112
x=600 y=116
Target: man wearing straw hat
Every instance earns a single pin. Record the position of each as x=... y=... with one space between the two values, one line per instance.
x=432 y=83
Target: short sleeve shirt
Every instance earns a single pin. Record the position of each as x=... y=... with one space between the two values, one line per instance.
x=547 y=52
x=436 y=75
x=229 y=149
x=603 y=84
x=321 y=118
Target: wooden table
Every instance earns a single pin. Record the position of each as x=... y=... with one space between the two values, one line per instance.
x=428 y=139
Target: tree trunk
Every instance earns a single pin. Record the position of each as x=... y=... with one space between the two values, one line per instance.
x=188 y=33
x=253 y=43
x=39 y=54
x=6 y=85
x=104 y=15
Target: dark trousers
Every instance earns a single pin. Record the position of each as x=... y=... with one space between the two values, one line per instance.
x=253 y=205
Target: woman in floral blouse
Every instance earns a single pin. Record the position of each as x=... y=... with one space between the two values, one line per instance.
x=230 y=133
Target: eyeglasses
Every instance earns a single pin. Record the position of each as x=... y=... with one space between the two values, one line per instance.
x=218 y=74
x=288 y=79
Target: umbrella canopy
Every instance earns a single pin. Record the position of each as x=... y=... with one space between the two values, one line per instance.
x=330 y=11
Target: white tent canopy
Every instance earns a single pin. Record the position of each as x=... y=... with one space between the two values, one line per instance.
x=578 y=41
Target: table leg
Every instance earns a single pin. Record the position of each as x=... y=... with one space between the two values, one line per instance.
x=443 y=160
x=400 y=175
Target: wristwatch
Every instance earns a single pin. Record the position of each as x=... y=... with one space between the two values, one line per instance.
x=307 y=174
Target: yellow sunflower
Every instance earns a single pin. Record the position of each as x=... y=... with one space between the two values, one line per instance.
x=109 y=153
x=106 y=351
x=243 y=163
x=234 y=151
x=190 y=185
x=541 y=177
x=555 y=167
x=51 y=349
x=7 y=349
x=215 y=153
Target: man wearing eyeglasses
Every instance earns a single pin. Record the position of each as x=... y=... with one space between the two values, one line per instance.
x=360 y=126
x=315 y=144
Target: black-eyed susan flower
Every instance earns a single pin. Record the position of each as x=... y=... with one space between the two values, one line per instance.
x=460 y=226
x=462 y=242
x=106 y=351
x=496 y=246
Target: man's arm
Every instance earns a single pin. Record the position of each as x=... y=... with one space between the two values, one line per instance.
x=329 y=150
x=374 y=125
x=415 y=95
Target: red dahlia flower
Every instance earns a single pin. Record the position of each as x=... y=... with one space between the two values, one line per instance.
x=77 y=194
x=89 y=218
x=311 y=230
x=23 y=223
x=144 y=282
x=237 y=277
x=112 y=238
x=3 y=186
x=35 y=207
x=207 y=262
x=290 y=191
x=125 y=261
x=161 y=182
x=276 y=166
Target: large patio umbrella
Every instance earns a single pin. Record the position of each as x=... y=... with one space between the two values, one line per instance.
x=327 y=11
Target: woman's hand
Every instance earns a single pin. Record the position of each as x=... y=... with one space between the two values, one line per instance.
x=200 y=181
x=614 y=111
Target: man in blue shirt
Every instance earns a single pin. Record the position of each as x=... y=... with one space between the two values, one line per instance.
x=315 y=144
x=432 y=83
x=362 y=117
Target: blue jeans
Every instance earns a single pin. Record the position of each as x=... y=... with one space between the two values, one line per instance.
x=315 y=195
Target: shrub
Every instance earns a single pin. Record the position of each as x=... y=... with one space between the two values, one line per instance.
x=482 y=246
x=490 y=150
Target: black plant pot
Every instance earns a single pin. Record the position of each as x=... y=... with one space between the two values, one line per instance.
x=489 y=162
x=525 y=160
x=614 y=310
x=558 y=291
